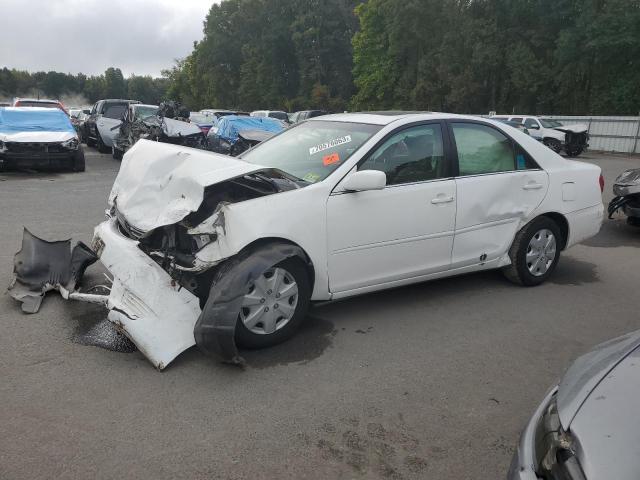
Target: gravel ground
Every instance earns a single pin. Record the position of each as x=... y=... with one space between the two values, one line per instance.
x=433 y=380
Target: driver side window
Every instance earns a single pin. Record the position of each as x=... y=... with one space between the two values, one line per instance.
x=531 y=123
x=412 y=155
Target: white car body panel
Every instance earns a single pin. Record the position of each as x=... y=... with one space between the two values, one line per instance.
x=357 y=241
x=366 y=225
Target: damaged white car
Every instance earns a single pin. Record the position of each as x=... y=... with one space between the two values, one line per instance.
x=224 y=252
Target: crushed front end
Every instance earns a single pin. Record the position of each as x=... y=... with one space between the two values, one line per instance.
x=626 y=189
x=163 y=239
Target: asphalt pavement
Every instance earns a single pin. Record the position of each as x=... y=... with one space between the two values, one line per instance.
x=434 y=380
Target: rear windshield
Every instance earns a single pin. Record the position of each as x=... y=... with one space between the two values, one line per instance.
x=311 y=151
x=115 y=111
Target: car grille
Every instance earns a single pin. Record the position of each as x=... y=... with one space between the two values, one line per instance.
x=127 y=229
x=577 y=138
x=35 y=148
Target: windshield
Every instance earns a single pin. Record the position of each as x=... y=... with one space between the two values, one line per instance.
x=144 y=112
x=548 y=123
x=311 y=151
x=279 y=115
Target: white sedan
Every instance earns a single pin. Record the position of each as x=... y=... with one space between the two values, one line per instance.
x=217 y=251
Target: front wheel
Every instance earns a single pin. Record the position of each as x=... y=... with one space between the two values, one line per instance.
x=274 y=305
x=535 y=252
x=553 y=144
x=78 y=162
x=116 y=153
x=574 y=151
x=102 y=148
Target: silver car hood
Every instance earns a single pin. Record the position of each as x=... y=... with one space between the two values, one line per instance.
x=586 y=373
x=160 y=184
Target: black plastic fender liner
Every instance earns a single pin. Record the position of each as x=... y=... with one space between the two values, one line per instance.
x=40 y=266
x=214 y=331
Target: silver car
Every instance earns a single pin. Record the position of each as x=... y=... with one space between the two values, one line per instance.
x=588 y=427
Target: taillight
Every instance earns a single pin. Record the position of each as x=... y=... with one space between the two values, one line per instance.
x=601 y=180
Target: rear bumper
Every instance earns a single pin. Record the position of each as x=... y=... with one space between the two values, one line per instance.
x=584 y=224
x=145 y=303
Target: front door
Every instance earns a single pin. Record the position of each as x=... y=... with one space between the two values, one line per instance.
x=402 y=231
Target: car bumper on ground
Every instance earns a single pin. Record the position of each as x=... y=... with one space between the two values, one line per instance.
x=523 y=464
x=145 y=303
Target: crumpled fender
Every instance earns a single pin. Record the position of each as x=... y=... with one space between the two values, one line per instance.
x=214 y=331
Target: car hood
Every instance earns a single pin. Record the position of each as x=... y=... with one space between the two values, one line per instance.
x=160 y=184
x=577 y=128
x=588 y=371
x=178 y=128
x=606 y=427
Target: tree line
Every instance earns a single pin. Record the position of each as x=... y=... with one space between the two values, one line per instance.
x=471 y=56
x=80 y=88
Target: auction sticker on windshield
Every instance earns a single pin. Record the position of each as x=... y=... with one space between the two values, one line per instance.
x=330 y=144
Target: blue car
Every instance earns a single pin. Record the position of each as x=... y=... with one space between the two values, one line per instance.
x=235 y=134
x=36 y=137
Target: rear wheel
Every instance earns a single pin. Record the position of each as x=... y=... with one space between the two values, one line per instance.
x=535 y=252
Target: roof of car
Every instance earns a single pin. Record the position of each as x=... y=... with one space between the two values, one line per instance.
x=382 y=118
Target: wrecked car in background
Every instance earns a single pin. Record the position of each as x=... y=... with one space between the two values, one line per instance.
x=203 y=121
x=233 y=134
x=571 y=139
x=100 y=127
x=223 y=252
x=587 y=427
x=165 y=123
x=626 y=189
x=35 y=137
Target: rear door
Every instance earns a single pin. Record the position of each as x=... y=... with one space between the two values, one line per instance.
x=498 y=185
x=110 y=119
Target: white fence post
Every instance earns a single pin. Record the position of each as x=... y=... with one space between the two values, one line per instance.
x=635 y=140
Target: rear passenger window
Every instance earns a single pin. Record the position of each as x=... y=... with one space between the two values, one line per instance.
x=482 y=149
x=531 y=123
x=411 y=155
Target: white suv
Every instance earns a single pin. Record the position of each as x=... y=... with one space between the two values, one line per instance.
x=572 y=139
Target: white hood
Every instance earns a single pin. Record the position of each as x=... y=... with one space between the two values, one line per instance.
x=159 y=184
x=44 y=137
x=176 y=128
x=576 y=128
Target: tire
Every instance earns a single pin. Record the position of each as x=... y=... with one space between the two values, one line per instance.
x=116 y=153
x=78 y=161
x=248 y=338
x=553 y=144
x=574 y=152
x=525 y=271
x=87 y=139
x=102 y=148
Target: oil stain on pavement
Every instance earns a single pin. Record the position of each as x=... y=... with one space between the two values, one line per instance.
x=95 y=330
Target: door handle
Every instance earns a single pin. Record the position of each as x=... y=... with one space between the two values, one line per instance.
x=532 y=186
x=441 y=199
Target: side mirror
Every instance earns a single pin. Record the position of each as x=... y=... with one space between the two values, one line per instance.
x=365 y=180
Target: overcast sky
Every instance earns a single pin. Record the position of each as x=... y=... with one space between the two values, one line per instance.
x=88 y=36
